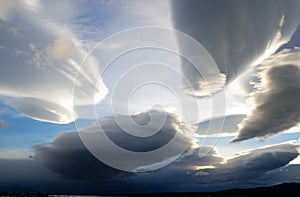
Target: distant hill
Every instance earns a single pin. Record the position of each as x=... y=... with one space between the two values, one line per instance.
x=285 y=189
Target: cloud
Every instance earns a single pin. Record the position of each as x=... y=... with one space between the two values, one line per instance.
x=276 y=100
x=44 y=110
x=254 y=164
x=68 y=156
x=192 y=160
x=237 y=34
x=209 y=127
x=60 y=155
x=213 y=171
x=39 y=64
x=80 y=172
x=20 y=171
x=288 y=173
x=29 y=173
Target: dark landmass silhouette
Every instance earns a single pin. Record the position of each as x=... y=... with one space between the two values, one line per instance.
x=284 y=189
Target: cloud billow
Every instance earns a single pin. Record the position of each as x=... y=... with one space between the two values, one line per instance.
x=69 y=157
x=276 y=100
x=68 y=147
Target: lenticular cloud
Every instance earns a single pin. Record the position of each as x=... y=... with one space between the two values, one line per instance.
x=276 y=101
x=237 y=34
x=40 y=61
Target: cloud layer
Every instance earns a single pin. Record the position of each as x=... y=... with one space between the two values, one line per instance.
x=68 y=156
x=255 y=163
x=230 y=125
x=237 y=34
x=212 y=171
x=276 y=101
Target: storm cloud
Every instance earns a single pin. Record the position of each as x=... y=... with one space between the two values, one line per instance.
x=68 y=147
x=276 y=100
x=69 y=157
x=266 y=165
x=213 y=170
x=199 y=173
x=237 y=34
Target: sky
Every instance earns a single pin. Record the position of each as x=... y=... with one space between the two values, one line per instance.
x=148 y=96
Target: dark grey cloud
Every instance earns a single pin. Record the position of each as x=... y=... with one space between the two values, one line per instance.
x=19 y=171
x=276 y=101
x=235 y=33
x=68 y=156
x=69 y=161
x=189 y=161
x=194 y=173
x=27 y=175
x=208 y=127
x=254 y=164
x=114 y=128
x=242 y=169
x=288 y=173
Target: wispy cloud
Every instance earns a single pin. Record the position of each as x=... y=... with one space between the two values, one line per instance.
x=211 y=126
x=40 y=62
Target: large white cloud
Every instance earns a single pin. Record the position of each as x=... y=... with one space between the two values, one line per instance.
x=276 y=101
x=237 y=34
x=39 y=62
